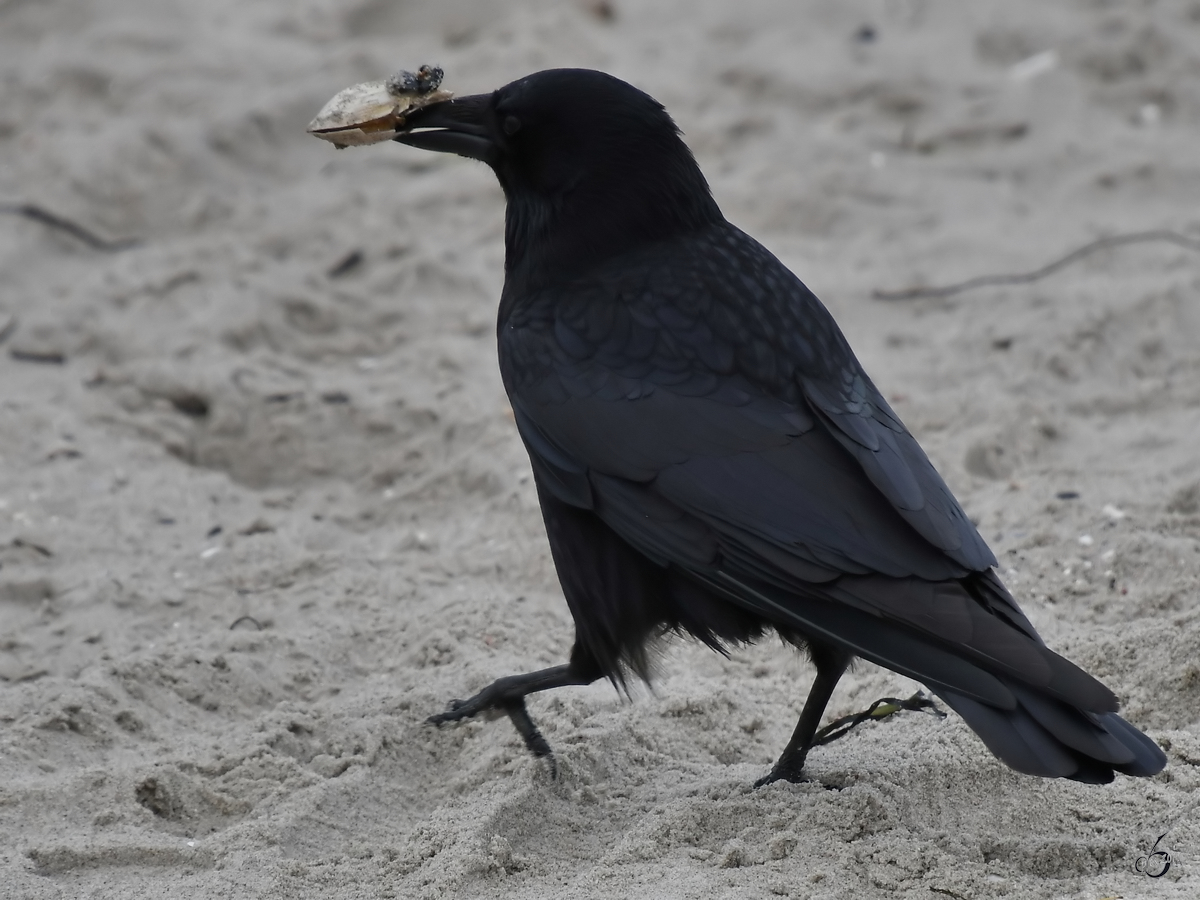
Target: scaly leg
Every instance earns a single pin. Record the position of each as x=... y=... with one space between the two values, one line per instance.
x=507 y=695
x=830 y=663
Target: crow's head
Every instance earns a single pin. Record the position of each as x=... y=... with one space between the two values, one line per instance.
x=590 y=165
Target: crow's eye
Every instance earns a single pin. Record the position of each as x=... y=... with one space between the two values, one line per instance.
x=511 y=125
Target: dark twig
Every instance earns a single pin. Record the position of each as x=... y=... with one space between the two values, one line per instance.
x=253 y=621
x=49 y=357
x=880 y=709
x=346 y=264
x=30 y=545
x=77 y=231
x=1104 y=243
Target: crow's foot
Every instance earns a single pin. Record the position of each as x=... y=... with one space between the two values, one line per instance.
x=507 y=696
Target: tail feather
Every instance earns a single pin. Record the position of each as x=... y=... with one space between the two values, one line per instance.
x=1148 y=758
x=1042 y=736
x=999 y=730
x=1079 y=731
x=967 y=641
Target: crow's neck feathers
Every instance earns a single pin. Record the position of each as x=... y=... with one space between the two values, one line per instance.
x=631 y=183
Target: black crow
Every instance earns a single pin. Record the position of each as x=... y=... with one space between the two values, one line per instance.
x=710 y=456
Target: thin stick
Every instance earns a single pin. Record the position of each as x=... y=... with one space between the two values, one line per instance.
x=1104 y=243
x=77 y=231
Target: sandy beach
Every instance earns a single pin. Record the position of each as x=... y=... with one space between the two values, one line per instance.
x=263 y=506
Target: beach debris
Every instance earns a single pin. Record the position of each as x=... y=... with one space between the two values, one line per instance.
x=374 y=111
x=45 y=357
x=1104 y=243
x=346 y=264
x=1033 y=66
x=54 y=221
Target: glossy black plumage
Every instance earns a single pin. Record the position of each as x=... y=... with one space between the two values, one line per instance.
x=712 y=459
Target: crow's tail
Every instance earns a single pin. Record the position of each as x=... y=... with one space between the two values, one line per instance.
x=1044 y=736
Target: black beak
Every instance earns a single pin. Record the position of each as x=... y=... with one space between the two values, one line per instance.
x=463 y=125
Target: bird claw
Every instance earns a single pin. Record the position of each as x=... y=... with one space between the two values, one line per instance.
x=784 y=773
x=457 y=710
x=793 y=777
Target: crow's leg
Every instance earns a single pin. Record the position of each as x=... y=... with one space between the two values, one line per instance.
x=507 y=695
x=831 y=663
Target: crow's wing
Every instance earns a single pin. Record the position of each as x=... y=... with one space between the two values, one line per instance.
x=727 y=429
x=747 y=470
x=710 y=371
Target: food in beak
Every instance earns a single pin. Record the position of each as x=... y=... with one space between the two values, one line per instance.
x=374 y=111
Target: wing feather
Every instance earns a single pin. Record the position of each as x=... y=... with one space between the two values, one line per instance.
x=720 y=425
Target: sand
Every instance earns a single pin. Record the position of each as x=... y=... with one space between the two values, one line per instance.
x=263 y=507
